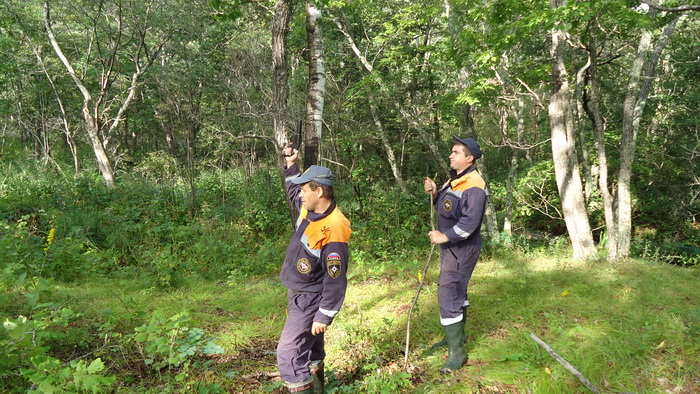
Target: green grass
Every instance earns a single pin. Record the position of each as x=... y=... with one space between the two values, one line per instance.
x=632 y=326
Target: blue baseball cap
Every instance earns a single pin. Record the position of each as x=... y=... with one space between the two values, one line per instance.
x=471 y=144
x=319 y=174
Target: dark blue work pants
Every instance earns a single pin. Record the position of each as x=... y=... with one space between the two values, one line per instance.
x=457 y=264
x=297 y=347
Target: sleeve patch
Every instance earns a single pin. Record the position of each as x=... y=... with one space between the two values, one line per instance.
x=335 y=267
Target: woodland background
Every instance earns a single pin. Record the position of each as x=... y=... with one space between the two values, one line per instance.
x=142 y=211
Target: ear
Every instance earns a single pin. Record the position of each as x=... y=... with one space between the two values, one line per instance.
x=319 y=192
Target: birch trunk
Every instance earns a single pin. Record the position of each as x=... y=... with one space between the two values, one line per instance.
x=564 y=151
x=633 y=108
x=316 y=87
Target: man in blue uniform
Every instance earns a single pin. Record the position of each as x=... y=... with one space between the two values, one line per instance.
x=314 y=272
x=461 y=203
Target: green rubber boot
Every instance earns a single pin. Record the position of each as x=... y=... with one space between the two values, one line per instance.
x=455 y=344
x=309 y=390
x=317 y=375
x=305 y=387
x=443 y=342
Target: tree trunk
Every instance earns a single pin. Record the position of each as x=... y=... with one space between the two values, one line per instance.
x=633 y=108
x=280 y=88
x=585 y=161
x=391 y=158
x=591 y=105
x=510 y=185
x=103 y=162
x=395 y=170
x=564 y=151
x=316 y=86
x=490 y=219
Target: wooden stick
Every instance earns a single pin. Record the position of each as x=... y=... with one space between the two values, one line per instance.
x=566 y=364
x=420 y=285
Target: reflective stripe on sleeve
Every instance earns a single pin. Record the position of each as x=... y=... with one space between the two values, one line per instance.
x=460 y=233
x=328 y=313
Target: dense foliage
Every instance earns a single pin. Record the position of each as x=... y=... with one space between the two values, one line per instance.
x=181 y=106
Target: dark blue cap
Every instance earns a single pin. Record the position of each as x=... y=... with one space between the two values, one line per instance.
x=471 y=144
x=319 y=174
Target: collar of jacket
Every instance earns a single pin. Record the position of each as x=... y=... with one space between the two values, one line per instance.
x=314 y=217
x=454 y=175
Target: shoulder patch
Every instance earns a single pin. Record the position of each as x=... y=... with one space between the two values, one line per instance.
x=334 y=264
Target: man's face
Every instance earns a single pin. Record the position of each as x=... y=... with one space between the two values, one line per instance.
x=310 y=197
x=459 y=161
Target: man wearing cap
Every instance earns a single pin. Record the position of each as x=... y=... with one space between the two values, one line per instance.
x=314 y=272
x=461 y=203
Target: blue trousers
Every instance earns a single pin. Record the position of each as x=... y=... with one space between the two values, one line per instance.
x=457 y=264
x=297 y=348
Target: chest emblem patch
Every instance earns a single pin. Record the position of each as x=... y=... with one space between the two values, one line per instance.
x=447 y=205
x=303 y=266
x=333 y=262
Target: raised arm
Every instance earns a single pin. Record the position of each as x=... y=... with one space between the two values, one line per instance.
x=292 y=171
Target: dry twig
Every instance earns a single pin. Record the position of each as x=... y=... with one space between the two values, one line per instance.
x=566 y=364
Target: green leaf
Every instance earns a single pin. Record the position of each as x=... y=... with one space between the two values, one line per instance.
x=9 y=326
x=95 y=366
x=141 y=337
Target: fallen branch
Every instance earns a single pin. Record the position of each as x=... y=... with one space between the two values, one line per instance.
x=566 y=364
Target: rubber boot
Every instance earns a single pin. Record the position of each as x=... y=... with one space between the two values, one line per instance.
x=455 y=344
x=317 y=374
x=305 y=387
x=443 y=342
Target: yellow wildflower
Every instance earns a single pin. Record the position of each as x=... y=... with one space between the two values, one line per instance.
x=51 y=237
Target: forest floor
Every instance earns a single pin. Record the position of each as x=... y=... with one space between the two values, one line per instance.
x=628 y=327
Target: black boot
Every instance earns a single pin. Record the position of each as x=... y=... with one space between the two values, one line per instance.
x=455 y=341
x=317 y=374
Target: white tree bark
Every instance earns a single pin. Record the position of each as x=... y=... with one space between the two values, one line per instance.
x=316 y=86
x=96 y=111
x=641 y=77
x=91 y=123
x=564 y=150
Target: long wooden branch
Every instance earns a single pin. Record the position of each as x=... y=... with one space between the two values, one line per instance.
x=566 y=364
